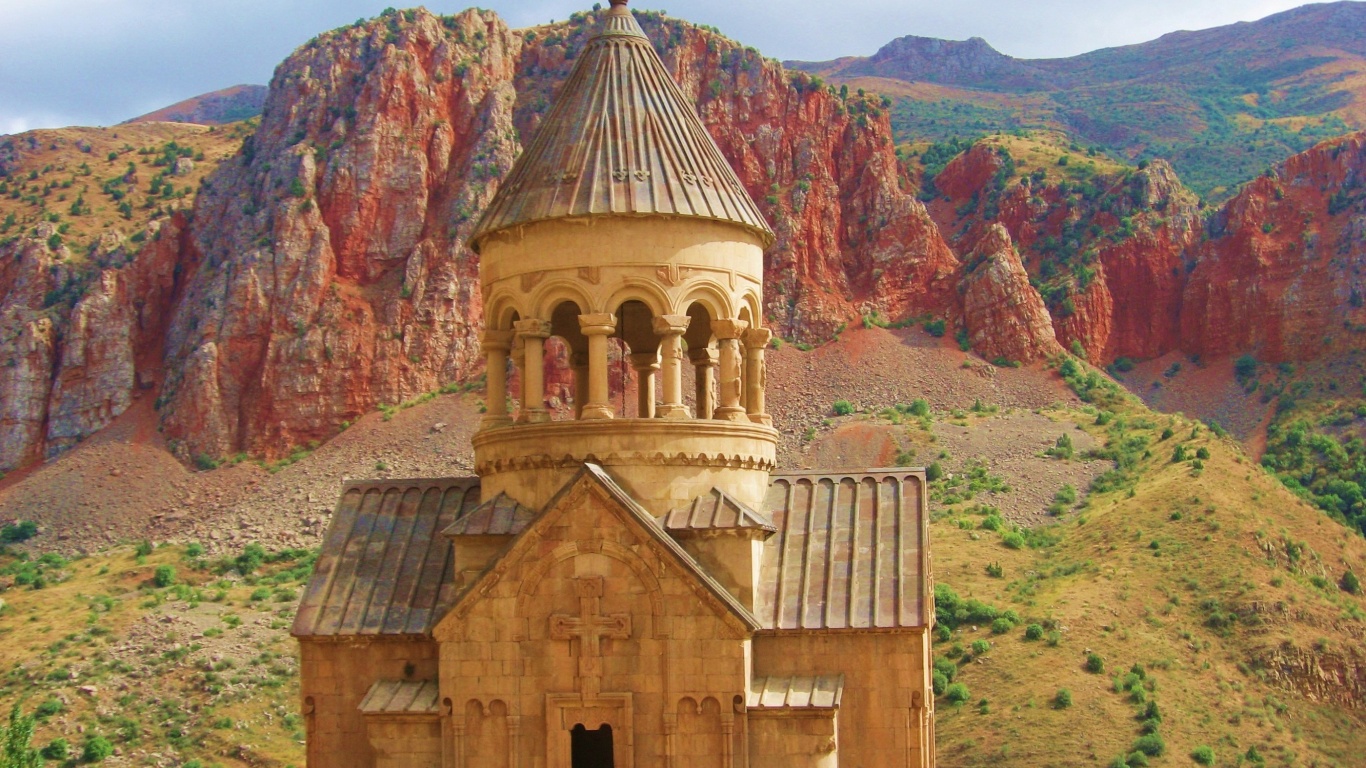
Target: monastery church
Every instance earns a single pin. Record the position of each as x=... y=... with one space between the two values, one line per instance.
x=623 y=584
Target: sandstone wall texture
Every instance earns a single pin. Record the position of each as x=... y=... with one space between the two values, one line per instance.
x=324 y=270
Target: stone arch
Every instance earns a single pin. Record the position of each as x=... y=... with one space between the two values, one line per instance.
x=502 y=308
x=700 y=737
x=487 y=742
x=710 y=294
x=647 y=292
x=555 y=292
x=750 y=301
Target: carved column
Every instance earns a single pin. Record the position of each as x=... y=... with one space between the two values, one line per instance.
x=579 y=362
x=645 y=364
x=496 y=345
x=670 y=329
x=756 y=341
x=597 y=328
x=705 y=362
x=533 y=334
x=453 y=730
x=728 y=341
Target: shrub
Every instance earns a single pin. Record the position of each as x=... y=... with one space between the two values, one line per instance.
x=163 y=576
x=1013 y=539
x=143 y=548
x=97 y=749
x=1066 y=495
x=1034 y=632
x=1094 y=663
x=957 y=693
x=980 y=647
x=1202 y=453
x=842 y=408
x=1062 y=699
x=1138 y=760
x=936 y=327
x=940 y=683
x=1151 y=745
x=1350 y=583
x=934 y=472
x=920 y=407
x=57 y=749
x=194 y=549
x=1203 y=755
x=21 y=530
x=252 y=557
x=48 y=708
x=1002 y=626
x=1062 y=449
x=1118 y=762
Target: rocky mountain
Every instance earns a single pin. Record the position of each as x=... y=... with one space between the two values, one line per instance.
x=227 y=105
x=1220 y=104
x=321 y=270
x=1131 y=267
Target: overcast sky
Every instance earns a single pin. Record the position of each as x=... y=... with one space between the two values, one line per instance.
x=97 y=62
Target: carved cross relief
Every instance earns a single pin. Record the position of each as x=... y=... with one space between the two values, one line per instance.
x=589 y=628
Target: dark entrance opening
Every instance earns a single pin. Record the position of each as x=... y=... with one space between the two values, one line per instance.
x=591 y=749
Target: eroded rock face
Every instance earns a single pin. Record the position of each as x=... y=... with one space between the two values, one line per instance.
x=335 y=275
x=344 y=280
x=1005 y=316
x=1281 y=275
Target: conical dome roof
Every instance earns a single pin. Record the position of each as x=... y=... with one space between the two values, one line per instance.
x=622 y=140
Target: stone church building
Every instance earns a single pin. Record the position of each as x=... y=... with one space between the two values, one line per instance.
x=623 y=584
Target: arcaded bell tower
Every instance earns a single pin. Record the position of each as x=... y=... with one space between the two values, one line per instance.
x=623 y=220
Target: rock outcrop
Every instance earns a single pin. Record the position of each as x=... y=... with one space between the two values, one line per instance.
x=1005 y=316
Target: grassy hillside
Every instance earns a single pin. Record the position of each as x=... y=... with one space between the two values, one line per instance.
x=106 y=183
x=1214 y=601
x=155 y=657
x=1190 y=606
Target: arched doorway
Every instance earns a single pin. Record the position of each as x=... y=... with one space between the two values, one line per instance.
x=591 y=749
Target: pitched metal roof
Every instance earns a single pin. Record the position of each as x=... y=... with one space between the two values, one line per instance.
x=621 y=139
x=384 y=570
x=499 y=516
x=850 y=552
x=715 y=511
x=796 y=692
x=401 y=697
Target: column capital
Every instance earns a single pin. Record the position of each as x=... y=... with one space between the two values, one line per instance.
x=645 y=361
x=706 y=356
x=533 y=328
x=729 y=329
x=604 y=324
x=670 y=325
x=758 y=338
x=496 y=340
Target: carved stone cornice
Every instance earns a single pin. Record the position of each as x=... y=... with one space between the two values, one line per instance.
x=546 y=461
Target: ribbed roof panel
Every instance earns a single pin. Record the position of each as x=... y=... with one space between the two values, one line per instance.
x=850 y=552
x=621 y=139
x=384 y=570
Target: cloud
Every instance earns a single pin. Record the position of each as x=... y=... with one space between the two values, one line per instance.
x=98 y=62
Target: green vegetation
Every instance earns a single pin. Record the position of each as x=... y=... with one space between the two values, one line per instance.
x=842 y=408
x=1319 y=457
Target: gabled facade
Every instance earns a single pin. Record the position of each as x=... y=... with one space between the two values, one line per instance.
x=623 y=585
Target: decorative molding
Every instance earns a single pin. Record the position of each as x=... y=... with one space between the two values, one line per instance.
x=530 y=280
x=591 y=275
x=546 y=461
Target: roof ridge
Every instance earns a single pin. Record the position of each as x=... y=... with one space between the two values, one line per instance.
x=621 y=140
